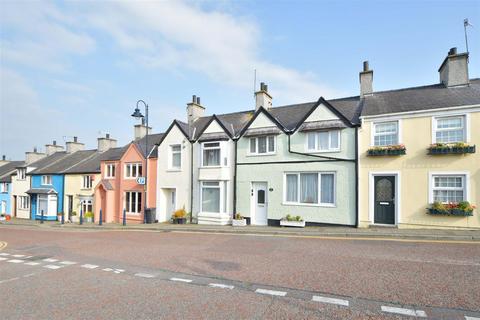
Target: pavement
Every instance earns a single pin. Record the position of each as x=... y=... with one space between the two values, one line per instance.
x=70 y=273
x=335 y=231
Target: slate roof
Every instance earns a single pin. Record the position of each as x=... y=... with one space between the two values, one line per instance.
x=421 y=98
x=46 y=160
x=7 y=169
x=152 y=140
x=65 y=163
x=89 y=165
x=113 y=153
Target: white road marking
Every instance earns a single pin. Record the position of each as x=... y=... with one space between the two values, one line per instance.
x=144 y=275
x=4 y=254
x=220 y=285
x=107 y=269
x=15 y=261
x=67 y=263
x=471 y=318
x=2 y=258
x=50 y=260
x=52 y=266
x=89 y=266
x=28 y=275
x=18 y=255
x=271 y=292
x=32 y=263
x=181 y=280
x=405 y=312
x=120 y=270
x=331 y=300
x=7 y=280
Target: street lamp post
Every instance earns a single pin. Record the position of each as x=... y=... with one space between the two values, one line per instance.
x=138 y=115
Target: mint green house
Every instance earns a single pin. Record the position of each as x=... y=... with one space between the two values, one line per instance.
x=299 y=160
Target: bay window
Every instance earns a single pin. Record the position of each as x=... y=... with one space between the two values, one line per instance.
x=133 y=170
x=449 y=129
x=213 y=196
x=448 y=188
x=316 y=188
x=385 y=133
x=323 y=141
x=262 y=145
x=133 y=202
x=211 y=154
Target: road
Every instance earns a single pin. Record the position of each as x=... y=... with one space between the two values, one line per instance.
x=80 y=274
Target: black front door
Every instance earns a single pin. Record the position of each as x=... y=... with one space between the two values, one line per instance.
x=384 y=199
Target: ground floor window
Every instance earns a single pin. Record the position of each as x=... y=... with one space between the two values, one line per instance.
x=213 y=196
x=310 y=188
x=3 y=207
x=448 y=188
x=23 y=202
x=86 y=206
x=133 y=202
x=42 y=201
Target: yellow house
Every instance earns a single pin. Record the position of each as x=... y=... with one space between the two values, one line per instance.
x=417 y=147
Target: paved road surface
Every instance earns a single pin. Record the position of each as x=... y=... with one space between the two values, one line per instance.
x=58 y=274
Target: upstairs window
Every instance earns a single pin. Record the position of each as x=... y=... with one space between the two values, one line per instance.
x=21 y=173
x=175 y=156
x=47 y=180
x=211 y=154
x=133 y=170
x=109 y=171
x=3 y=187
x=262 y=145
x=385 y=133
x=323 y=141
x=87 y=182
x=449 y=129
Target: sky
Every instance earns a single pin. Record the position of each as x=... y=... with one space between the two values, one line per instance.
x=78 y=68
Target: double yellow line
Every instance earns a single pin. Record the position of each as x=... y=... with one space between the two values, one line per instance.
x=3 y=245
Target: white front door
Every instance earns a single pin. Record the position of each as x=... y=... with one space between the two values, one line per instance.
x=260 y=203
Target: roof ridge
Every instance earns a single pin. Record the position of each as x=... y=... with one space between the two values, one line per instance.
x=420 y=87
x=82 y=161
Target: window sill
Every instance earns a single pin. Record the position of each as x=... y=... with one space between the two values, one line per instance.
x=261 y=154
x=213 y=167
x=173 y=170
x=297 y=204
x=86 y=189
x=323 y=151
x=108 y=178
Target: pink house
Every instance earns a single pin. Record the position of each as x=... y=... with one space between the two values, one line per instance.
x=120 y=187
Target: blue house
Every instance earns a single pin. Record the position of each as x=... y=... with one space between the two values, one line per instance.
x=48 y=184
x=6 y=172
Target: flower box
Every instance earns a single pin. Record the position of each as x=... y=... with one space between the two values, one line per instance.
x=179 y=220
x=298 y=224
x=396 y=150
x=450 y=149
x=239 y=222
x=461 y=209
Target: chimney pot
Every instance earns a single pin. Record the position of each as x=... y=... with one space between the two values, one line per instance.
x=107 y=135
x=194 y=110
x=4 y=157
x=198 y=100
x=263 y=98
x=365 y=65
x=75 y=139
x=452 y=51
x=194 y=99
x=54 y=142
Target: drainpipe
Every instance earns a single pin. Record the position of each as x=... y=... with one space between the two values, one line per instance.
x=235 y=182
x=191 y=181
x=357 y=198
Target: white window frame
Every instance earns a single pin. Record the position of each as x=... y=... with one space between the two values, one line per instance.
x=133 y=195
x=170 y=156
x=316 y=134
x=87 y=182
x=466 y=181
x=318 y=204
x=466 y=127
x=21 y=173
x=3 y=187
x=109 y=169
x=132 y=165
x=222 y=185
x=211 y=148
x=47 y=180
x=373 y=131
x=23 y=202
x=86 y=203
x=256 y=153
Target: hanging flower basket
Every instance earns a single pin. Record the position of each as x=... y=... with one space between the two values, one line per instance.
x=394 y=150
x=450 y=148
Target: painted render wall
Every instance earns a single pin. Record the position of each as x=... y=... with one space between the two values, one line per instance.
x=5 y=196
x=57 y=185
x=168 y=179
x=344 y=210
x=19 y=187
x=414 y=168
x=74 y=187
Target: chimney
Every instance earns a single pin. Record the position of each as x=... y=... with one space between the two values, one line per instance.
x=366 y=80
x=31 y=157
x=52 y=148
x=194 y=110
x=74 y=145
x=263 y=98
x=454 y=69
x=105 y=143
x=3 y=160
x=140 y=130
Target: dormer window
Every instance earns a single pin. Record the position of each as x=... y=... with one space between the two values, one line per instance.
x=323 y=141
x=211 y=154
x=262 y=145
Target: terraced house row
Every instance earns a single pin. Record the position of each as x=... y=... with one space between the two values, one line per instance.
x=405 y=158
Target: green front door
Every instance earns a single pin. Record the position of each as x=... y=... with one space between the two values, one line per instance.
x=384 y=199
